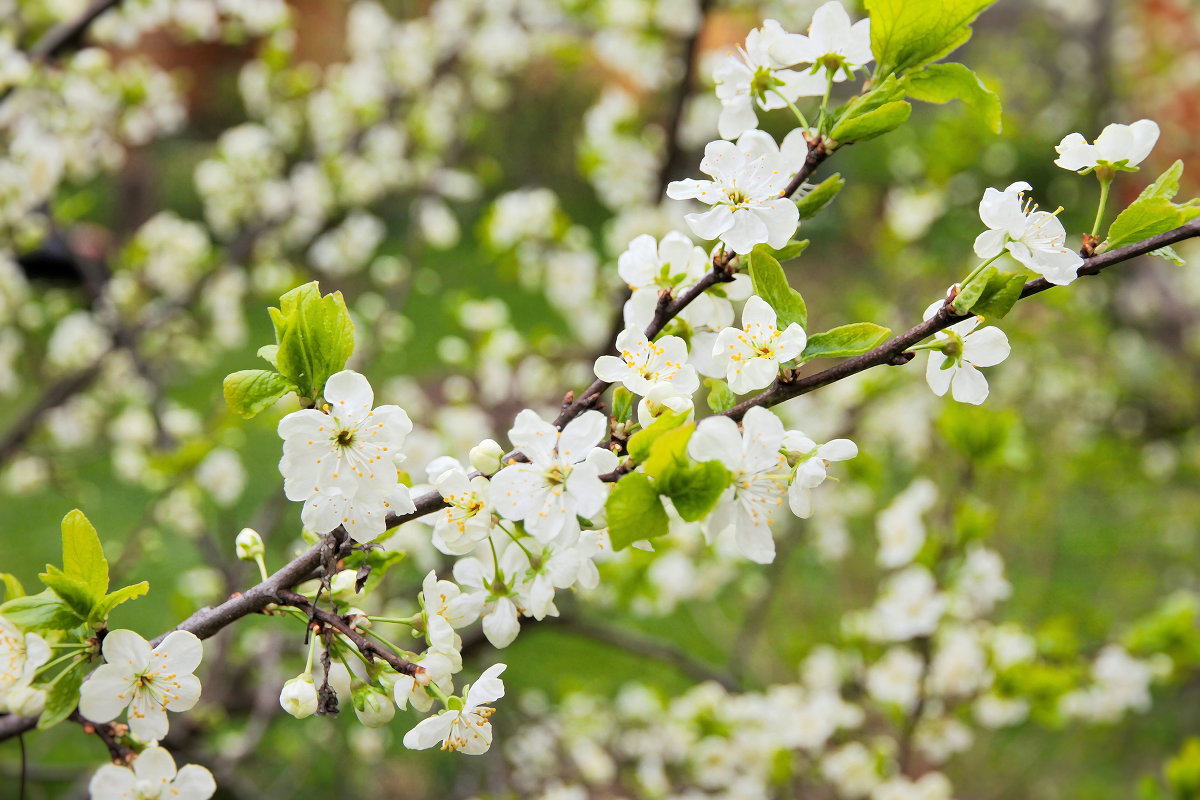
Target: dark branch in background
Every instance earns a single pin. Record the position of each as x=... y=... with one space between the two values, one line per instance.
x=674 y=153
x=63 y=35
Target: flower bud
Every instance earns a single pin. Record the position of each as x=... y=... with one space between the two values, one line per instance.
x=299 y=697
x=26 y=701
x=341 y=587
x=373 y=707
x=249 y=545
x=357 y=618
x=485 y=456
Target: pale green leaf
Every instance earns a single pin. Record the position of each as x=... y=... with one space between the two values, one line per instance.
x=1153 y=212
x=251 y=391
x=634 y=512
x=83 y=557
x=941 y=83
x=820 y=196
x=845 y=340
x=720 y=397
x=906 y=34
x=771 y=284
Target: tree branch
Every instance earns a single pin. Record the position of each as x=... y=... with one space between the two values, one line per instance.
x=339 y=624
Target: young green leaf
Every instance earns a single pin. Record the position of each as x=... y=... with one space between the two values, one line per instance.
x=1169 y=254
x=74 y=592
x=720 y=397
x=44 y=611
x=845 y=340
x=669 y=451
x=906 y=34
x=315 y=336
x=12 y=587
x=694 y=489
x=114 y=599
x=772 y=285
x=1153 y=212
x=62 y=696
x=83 y=557
x=640 y=443
x=1000 y=294
x=971 y=291
x=250 y=391
x=820 y=196
x=860 y=127
x=634 y=512
x=941 y=83
x=622 y=404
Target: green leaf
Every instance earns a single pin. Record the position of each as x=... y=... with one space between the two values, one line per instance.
x=622 y=404
x=906 y=34
x=1000 y=294
x=250 y=391
x=772 y=285
x=44 y=611
x=640 y=443
x=634 y=512
x=694 y=489
x=669 y=451
x=74 y=592
x=821 y=195
x=720 y=397
x=971 y=291
x=270 y=353
x=941 y=83
x=857 y=127
x=63 y=696
x=12 y=587
x=1169 y=254
x=1153 y=212
x=111 y=601
x=315 y=336
x=845 y=340
x=83 y=557
x=786 y=253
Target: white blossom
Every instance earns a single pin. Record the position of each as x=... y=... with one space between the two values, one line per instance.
x=750 y=356
x=755 y=74
x=1118 y=146
x=955 y=367
x=467 y=518
x=466 y=728
x=150 y=683
x=152 y=776
x=760 y=474
x=811 y=462
x=561 y=480
x=746 y=193
x=833 y=44
x=21 y=656
x=643 y=364
x=299 y=696
x=909 y=606
x=1035 y=238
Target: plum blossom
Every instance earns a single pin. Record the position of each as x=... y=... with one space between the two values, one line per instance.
x=561 y=480
x=298 y=696
x=750 y=356
x=466 y=727
x=644 y=365
x=760 y=474
x=1035 y=238
x=754 y=73
x=672 y=264
x=149 y=682
x=152 y=776
x=21 y=656
x=963 y=350
x=342 y=464
x=491 y=593
x=811 y=461
x=467 y=519
x=1118 y=147
x=746 y=193
x=833 y=44
x=439 y=669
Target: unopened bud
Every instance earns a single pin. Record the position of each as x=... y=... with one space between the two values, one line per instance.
x=373 y=707
x=299 y=697
x=485 y=456
x=249 y=545
x=25 y=701
x=342 y=587
x=358 y=619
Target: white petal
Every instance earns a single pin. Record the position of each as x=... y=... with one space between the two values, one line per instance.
x=581 y=435
x=716 y=439
x=986 y=347
x=181 y=651
x=712 y=223
x=194 y=782
x=488 y=689
x=127 y=649
x=938 y=378
x=155 y=765
x=969 y=385
x=430 y=731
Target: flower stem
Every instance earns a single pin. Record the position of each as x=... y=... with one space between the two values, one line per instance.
x=312 y=646
x=54 y=663
x=262 y=566
x=825 y=101
x=792 y=106
x=1104 y=184
x=984 y=265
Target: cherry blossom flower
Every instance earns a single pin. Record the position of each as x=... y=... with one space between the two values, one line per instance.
x=746 y=192
x=643 y=364
x=466 y=727
x=439 y=669
x=21 y=656
x=562 y=478
x=811 y=461
x=833 y=45
x=443 y=612
x=467 y=519
x=1118 y=147
x=1035 y=238
x=150 y=683
x=963 y=350
x=152 y=777
x=491 y=594
x=299 y=696
x=673 y=264
x=750 y=356
x=760 y=475
x=342 y=464
x=755 y=74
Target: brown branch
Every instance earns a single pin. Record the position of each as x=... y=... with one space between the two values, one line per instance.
x=110 y=733
x=816 y=156
x=365 y=646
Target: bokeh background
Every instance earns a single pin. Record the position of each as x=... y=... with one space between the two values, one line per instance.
x=1082 y=467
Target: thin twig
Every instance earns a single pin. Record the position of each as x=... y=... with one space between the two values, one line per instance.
x=339 y=624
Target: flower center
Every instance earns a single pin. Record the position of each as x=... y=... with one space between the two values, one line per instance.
x=344 y=439
x=737 y=197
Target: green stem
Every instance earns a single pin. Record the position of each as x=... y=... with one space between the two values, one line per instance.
x=1104 y=184
x=396 y=620
x=312 y=646
x=792 y=106
x=54 y=663
x=515 y=539
x=405 y=654
x=825 y=102
x=262 y=566
x=980 y=268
